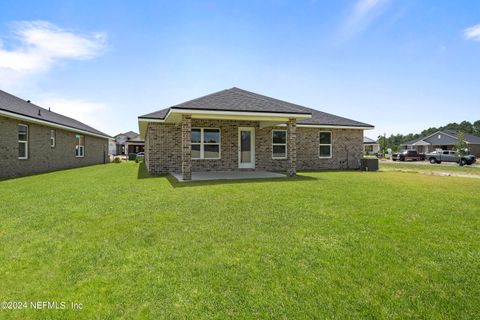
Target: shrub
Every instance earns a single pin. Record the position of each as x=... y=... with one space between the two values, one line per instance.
x=132 y=156
x=117 y=160
x=139 y=159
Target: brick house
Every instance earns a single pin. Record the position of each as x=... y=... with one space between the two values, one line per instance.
x=236 y=129
x=35 y=140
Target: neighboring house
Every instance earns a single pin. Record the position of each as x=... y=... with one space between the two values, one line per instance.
x=237 y=129
x=112 y=147
x=34 y=140
x=444 y=140
x=370 y=146
x=128 y=142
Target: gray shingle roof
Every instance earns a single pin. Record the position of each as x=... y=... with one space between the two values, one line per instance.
x=411 y=141
x=129 y=134
x=447 y=137
x=132 y=136
x=13 y=104
x=367 y=140
x=160 y=114
x=239 y=100
x=468 y=136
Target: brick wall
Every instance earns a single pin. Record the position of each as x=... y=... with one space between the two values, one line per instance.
x=164 y=148
x=347 y=149
x=42 y=157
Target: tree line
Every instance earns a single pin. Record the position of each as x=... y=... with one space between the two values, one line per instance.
x=395 y=140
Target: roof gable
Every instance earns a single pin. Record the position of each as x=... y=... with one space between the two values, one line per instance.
x=441 y=138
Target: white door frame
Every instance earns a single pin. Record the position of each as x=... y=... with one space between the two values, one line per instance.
x=250 y=165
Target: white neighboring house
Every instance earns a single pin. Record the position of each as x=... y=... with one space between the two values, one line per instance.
x=370 y=146
x=125 y=143
x=112 y=147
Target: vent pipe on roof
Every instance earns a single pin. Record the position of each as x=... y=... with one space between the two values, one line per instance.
x=48 y=108
x=39 y=112
x=28 y=101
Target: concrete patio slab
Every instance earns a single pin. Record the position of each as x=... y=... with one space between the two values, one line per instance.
x=229 y=175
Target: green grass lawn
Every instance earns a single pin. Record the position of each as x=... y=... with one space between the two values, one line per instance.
x=324 y=245
x=429 y=168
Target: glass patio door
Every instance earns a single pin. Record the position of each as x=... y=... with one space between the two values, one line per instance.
x=246 y=147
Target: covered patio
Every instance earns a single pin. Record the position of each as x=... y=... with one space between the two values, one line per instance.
x=228 y=175
x=237 y=130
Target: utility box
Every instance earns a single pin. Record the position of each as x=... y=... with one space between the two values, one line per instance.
x=369 y=164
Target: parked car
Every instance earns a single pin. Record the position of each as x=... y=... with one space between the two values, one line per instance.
x=408 y=155
x=450 y=156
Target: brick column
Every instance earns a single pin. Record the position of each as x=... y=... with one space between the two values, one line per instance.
x=292 y=147
x=186 y=147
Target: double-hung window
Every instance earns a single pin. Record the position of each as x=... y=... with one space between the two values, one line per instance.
x=79 y=146
x=52 y=138
x=325 y=149
x=279 y=144
x=22 y=131
x=205 y=143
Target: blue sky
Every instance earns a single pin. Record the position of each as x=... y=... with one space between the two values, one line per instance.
x=401 y=65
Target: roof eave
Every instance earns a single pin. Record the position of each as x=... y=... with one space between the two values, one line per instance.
x=173 y=116
x=18 y=116
x=336 y=126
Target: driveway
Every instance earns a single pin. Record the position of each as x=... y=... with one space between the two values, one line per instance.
x=426 y=163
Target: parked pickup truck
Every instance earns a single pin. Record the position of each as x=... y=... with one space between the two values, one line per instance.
x=450 y=156
x=408 y=155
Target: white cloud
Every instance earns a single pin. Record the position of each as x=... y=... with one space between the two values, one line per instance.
x=94 y=114
x=363 y=13
x=32 y=49
x=472 y=33
x=39 y=44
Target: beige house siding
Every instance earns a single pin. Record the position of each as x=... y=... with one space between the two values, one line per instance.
x=41 y=156
x=163 y=148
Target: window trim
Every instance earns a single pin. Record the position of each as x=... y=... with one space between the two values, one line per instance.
x=24 y=141
x=203 y=143
x=280 y=144
x=53 y=138
x=80 y=146
x=325 y=144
